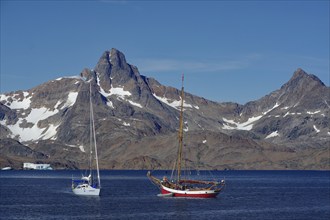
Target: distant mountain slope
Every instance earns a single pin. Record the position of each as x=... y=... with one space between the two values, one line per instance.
x=137 y=121
x=296 y=115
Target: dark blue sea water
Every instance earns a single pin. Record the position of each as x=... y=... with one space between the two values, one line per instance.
x=130 y=195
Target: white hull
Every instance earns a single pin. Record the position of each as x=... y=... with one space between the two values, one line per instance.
x=86 y=190
x=190 y=192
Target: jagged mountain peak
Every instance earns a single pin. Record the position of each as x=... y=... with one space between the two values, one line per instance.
x=302 y=90
x=303 y=80
x=112 y=69
x=111 y=59
x=117 y=58
x=299 y=73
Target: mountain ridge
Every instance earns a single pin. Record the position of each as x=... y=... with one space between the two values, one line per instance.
x=137 y=120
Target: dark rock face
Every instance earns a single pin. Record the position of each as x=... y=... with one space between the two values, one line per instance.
x=10 y=147
x=137 y=119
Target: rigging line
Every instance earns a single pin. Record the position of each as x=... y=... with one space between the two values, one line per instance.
x=212 y=176
x=87 y=157
x=90 y=128
x=84 y=171
x=176 y=163
x=95 y=148
x=173 y=169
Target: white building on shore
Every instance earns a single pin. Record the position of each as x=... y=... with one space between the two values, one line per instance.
x=33 y=166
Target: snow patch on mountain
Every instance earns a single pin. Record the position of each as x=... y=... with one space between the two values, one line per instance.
x=313 y=113
x=273 y=134
x=275 y=106
x=50 y=132
x=109 y=57
x=248 y=125
x=186 y=129
x=231 y=124
x=315 y=128
x=71 y=100
x=34 y=132
x=173 y=103
x=293 y=113
x=26 y=128
x=104 y=93
x=126 y=124
x=110 y=104
x=58 y=103
x=16 y=103
x=81 y=148
x=119 y=92
x=135 y=104
x=38 y=114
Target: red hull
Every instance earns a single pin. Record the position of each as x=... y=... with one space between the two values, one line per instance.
x=206 y=195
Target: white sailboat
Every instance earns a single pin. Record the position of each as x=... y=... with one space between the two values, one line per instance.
x=87 y=185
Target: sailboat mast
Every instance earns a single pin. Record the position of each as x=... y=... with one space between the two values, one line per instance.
x=180 y=133
x=90 y=129
x=95 y=148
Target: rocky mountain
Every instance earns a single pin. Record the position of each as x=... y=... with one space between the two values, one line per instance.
x=137 y=120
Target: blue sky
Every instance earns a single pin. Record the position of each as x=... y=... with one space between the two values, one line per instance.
x=233 y=51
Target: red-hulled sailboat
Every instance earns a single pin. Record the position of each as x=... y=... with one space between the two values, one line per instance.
x=179 y=187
